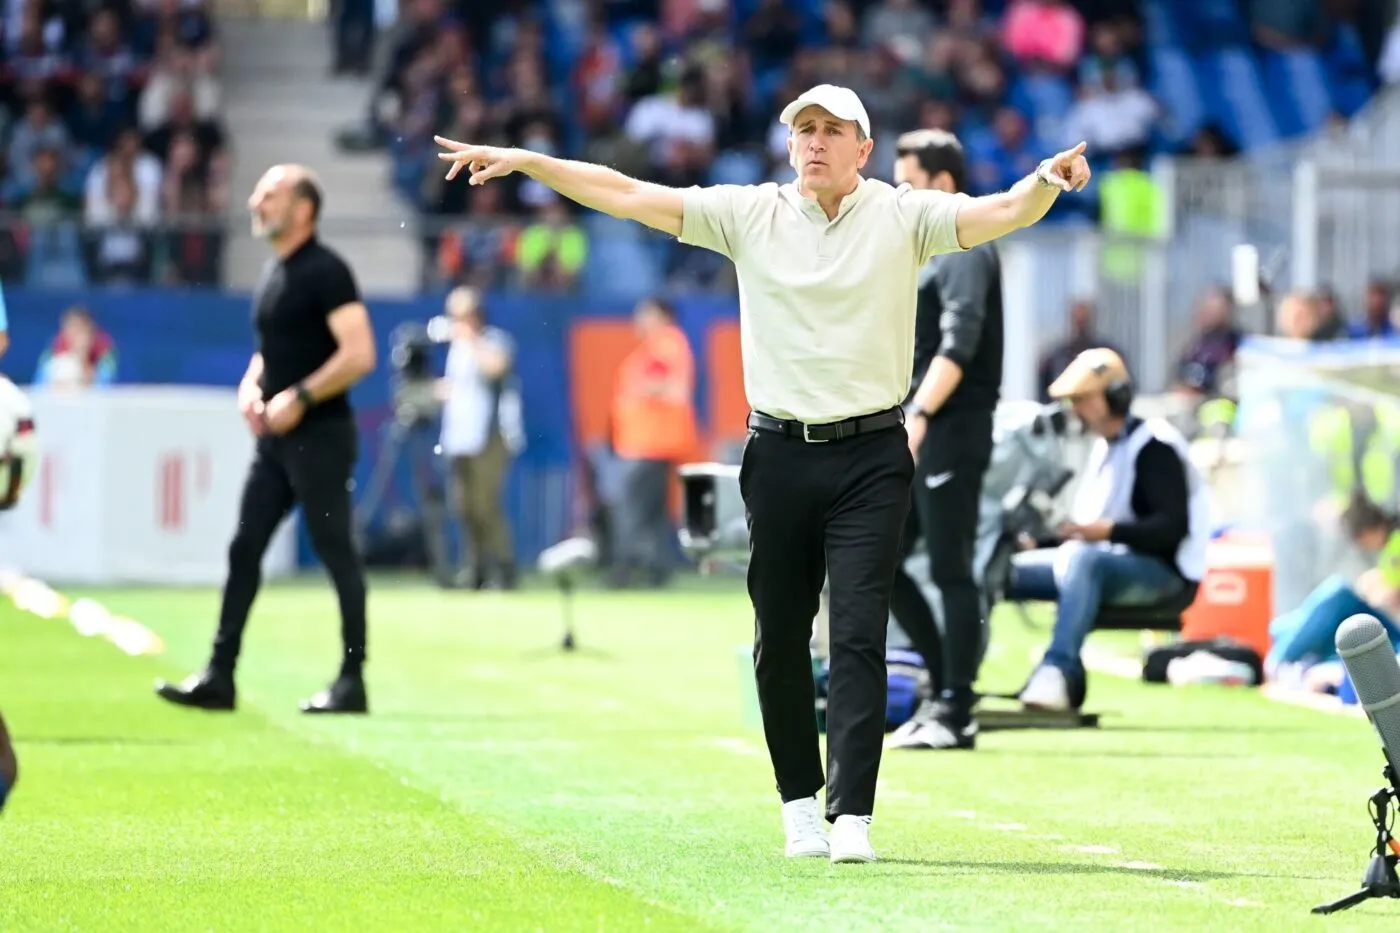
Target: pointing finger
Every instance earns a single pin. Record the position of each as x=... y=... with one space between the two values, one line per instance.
x=450 y=143
x=1079 y=149
x=456 y=167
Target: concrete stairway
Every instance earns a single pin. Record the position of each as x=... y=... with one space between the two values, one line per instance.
x=281 y=106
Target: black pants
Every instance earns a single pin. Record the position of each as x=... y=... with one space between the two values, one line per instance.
x=816 y=510
x=311 y=465
x=643 y=533
x=953 y=460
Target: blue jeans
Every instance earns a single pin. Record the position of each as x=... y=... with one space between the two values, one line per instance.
x=1080 y=578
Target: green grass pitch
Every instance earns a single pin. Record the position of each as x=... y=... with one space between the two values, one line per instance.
x=500 y=784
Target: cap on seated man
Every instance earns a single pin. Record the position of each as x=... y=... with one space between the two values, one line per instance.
x=1137 y=528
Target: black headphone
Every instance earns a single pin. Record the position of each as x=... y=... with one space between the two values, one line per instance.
x=1118 y=393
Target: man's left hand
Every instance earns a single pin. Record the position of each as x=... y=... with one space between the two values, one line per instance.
x=1069 y=170
x=917 y=426
x=1093 y=532
x=284 y=411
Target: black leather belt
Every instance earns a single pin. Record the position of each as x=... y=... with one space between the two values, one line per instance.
x=831 y=431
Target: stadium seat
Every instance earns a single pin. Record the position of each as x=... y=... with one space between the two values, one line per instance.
x=1161 y=617
x=1160 y=30
x=1296 y=82
x=1235 y=96
x=1173 y=83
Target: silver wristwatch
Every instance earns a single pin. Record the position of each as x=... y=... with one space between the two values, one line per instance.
x=1042 y=175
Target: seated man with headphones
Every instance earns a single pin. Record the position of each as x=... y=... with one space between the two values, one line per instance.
x=1137 y=532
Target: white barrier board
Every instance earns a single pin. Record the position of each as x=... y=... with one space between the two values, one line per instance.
x=136 y=484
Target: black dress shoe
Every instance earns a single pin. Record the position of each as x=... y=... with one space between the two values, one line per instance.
x=346 y=695
x=205 y=689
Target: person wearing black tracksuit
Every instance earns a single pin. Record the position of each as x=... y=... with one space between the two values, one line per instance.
x=954 y=394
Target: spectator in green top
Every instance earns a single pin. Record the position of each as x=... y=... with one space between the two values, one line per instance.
x=551 y=251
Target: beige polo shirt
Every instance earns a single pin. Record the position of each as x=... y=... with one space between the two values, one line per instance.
x=826 y=308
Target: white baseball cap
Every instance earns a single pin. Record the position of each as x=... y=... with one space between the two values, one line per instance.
x=841 y=102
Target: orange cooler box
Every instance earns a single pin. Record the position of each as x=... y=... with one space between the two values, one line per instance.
x=1236 y=598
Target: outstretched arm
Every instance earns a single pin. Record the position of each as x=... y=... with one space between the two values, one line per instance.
x=983 y=219
x=593 y=186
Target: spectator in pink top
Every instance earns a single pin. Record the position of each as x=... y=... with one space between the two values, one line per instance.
x=1049 y=32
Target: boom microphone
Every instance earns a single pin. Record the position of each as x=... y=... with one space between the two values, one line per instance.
x=1364 y=646
x=1366 y=652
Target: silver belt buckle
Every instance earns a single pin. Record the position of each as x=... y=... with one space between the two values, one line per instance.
x=807 y=435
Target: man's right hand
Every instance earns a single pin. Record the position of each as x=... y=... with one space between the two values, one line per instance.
x=250 y=404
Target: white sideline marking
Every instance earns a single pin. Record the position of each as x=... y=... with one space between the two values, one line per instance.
x=738 y=747
x=88 y=617
x=1141 y=866
x=1322 y=702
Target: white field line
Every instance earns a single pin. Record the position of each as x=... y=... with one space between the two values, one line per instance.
x=88 y=617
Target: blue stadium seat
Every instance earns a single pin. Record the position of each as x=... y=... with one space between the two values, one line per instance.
x=736 y=168
x=1297 y=88
x=1350 y=79
x=55 y=258
x=1161 y=26
x=1173 y=82
x=1209 y=24
x=1044 y=95
x=620 y=264
x=1235 y=96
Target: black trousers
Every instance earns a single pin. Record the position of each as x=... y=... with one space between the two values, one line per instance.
x=819 y=510
x=947 y=489
x=643 y=533
x=311 y=465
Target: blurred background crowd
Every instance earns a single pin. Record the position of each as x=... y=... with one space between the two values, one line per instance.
x=115 y=162
x=686 y=92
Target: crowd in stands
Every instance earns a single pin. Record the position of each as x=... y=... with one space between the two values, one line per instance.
x=687 y=91
x=114 y=159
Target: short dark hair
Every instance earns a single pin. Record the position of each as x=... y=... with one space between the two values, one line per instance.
x=662 y=306
x=936 y=151
x=1362 y=515
x=308 y=190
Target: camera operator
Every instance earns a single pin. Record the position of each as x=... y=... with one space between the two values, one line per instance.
x=1137 y=532
x=481 y=432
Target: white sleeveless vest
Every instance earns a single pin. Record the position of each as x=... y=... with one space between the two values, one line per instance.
x=1106 y=489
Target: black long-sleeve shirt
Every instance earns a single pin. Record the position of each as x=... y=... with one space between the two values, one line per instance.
x=960 y=317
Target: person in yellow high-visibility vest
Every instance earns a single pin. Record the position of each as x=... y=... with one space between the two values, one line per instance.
x=1351 y=437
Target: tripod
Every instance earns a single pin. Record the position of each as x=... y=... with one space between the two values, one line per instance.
x=411 y=434
x=1380 y=879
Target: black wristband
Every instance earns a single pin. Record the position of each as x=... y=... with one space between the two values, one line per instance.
x=304 y=395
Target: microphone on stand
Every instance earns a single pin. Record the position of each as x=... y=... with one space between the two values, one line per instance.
x=1364 y=646
x=563 y=562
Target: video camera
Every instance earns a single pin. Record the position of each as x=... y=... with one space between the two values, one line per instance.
x=411 y=359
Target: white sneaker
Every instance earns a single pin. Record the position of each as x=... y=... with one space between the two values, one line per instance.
x=850 y=840
x=805 y=829
x=1047 y=689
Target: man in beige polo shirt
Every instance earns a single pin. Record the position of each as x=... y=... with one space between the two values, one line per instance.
x=828 y=269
